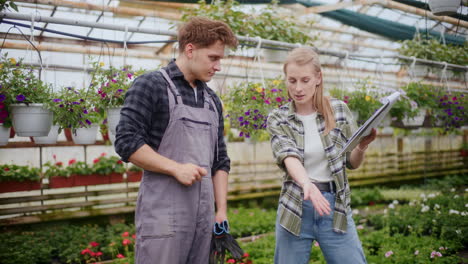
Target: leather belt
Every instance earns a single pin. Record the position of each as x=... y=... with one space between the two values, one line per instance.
x=326 y=186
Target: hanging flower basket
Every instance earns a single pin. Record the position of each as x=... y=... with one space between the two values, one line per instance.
x=85 y=135
x=113 y=117
x=31 y=120
x=4 y=135
x=51 y=138
x=445 y=7
x=417 y=120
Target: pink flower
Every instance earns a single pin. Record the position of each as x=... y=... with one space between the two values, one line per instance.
x=103 y=154
x=230 y=261
x=316 y=244
x=125 y=234
x=267 y=102
x=126 y=242
x=129 y=75
x=254 y=98
x=94 y=244
x=120 y=256
x=96 y=160
x=70 y=162
x=388 y=254
x=278 y=99
x=416 y=252
x=360 y=227
x=246 y=255
x=134 y=236
x=85 y=251
x=99 y=253
x=435 y=254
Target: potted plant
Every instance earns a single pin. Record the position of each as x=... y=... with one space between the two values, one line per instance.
x=15 y=178
x=444 y=8
x=450 y=112
x=5 y=119
x=105 y=170
x=27 y=97
x=362 y=101
x=74 y=109
x=134 y=174
x=248 y=104
x=268 y=23
x=109 y=87
x=424 y=98
x=430 y=48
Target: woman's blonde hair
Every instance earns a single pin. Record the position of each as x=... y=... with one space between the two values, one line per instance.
x=302 y=56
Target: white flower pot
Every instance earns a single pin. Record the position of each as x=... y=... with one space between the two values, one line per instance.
x=444 y=7
x=85 y=135
x=418 y=120
x=271 y=55
x=31 y=121
x=4 y=135
x=113 y=117
x=51 y=138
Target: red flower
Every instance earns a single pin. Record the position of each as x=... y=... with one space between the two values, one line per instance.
x=59 y=163
x=94 y=244
x=119 y=162
x=93 y=254
x=103 y=154
x=134 y=236
x=126 y=242
x=70 y=162
x=96 y=160
x=230 y=261
x=246 y=255
x=120 y=256
x=84 y=251
x=99 y=253
x=125 y=234
x=6 y=169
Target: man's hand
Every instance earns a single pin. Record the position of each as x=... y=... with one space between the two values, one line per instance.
x=312 y=193
x=188 y=173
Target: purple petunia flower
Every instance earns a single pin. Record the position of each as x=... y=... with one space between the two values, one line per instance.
x=20 y=98
x=85 y=111
x=76 y=103
x=61 y=105
x=241 y=134
x=241 y=118
x=247 y=113
x=274 y=90
x=2 y=97
x=129 y=75
x=57 y=100
x=114 y=81
x=88 y=122
x=120 y=90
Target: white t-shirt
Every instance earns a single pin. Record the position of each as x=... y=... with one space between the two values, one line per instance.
x=315 y=160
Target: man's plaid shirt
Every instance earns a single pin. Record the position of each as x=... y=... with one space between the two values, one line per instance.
x=287 y=140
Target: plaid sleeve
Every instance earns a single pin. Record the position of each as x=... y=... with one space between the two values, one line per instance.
x=351 y=128
x=135 y=116
x=221 y=161
x=282 y=139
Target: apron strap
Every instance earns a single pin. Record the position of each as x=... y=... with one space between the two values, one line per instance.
x=171 y=88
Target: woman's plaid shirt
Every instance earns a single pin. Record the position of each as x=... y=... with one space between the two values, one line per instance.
x=287 y=140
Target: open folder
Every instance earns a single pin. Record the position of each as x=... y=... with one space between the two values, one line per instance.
x=372 y=122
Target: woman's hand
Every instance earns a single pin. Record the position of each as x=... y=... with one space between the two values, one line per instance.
x=312 y=193
x=367 y=139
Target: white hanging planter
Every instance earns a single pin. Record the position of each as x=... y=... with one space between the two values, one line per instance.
x=85 y=135
x=113 y=117
x=444 y=7
x=4 y=135
x=418 y=120
x=51 y=138
x=419 y=70
x=31 y=120
x=273 y=55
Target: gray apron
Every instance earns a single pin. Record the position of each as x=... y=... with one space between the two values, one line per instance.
x=174 y=222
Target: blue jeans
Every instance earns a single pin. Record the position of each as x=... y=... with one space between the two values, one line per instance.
x=337 y=248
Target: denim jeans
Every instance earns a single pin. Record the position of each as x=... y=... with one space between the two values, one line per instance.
x=337 y=248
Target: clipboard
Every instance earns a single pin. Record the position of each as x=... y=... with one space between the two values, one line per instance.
x=370 y=123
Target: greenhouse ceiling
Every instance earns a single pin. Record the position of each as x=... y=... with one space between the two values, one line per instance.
x=360 y=37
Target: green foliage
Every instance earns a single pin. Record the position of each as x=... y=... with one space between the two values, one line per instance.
x=365 y=196
x=252 y=221
x=364 y=99
x=433 y=49
x=73 y=108
x=6 y=4
x=248 y=104
x=110 y=85
x=103 y=165
x=270 y=23
x=18 y=173
x=424 y=95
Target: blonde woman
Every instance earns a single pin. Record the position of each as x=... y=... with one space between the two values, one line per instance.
x=306 y=137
